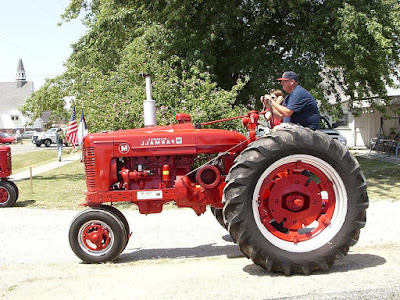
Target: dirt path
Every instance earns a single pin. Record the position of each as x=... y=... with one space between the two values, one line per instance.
x=177 y=255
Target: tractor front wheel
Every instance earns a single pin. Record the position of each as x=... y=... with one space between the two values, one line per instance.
x=97 y=235
x=217 y=212
x=120 y=216
x=295 y=200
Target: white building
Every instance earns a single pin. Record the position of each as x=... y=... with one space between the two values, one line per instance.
x=12 y=96
x=359 y=131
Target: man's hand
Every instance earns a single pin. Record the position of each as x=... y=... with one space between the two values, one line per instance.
x=266 y=99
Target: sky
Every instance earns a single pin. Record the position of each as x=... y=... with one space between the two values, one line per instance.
x=29 y=31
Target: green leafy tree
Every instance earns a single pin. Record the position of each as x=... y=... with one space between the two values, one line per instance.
x=201 y=53
x=114 y=100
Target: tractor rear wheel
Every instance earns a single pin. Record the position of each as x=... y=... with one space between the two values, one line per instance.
x=97 y=236
x=295 y=200
x=8 y=194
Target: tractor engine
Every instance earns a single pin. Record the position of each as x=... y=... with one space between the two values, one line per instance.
x=154 y=165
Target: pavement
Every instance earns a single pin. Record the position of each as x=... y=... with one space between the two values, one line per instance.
x=45 y=168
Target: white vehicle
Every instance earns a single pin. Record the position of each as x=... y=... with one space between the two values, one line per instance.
x=47 y=138
x=329 y=128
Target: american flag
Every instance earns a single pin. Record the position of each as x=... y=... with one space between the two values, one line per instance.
x=72 y=129
x=82 y=129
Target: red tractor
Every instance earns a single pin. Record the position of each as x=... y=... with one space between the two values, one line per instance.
x=8 y=189
x=293 y=200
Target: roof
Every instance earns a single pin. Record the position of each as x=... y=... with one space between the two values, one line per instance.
x=12 y=97
x=20 y=67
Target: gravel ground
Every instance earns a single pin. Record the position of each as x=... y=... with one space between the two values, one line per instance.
x=177 y=255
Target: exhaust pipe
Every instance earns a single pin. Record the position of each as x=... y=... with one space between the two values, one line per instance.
x=149 y=105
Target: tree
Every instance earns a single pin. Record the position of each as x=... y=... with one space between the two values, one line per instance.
x=114 y=99
x=350 y=46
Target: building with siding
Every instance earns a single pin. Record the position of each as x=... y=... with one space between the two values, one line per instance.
x=12 y=96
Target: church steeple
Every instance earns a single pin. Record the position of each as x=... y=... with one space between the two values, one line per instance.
x=20 y=75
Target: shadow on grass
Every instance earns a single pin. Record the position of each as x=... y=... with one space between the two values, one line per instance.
x=350 y=263
x=24 y=203
x=67 y=177
x=134 y=254
x=383 y=178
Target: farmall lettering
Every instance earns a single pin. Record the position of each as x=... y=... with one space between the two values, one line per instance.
x=161 y=141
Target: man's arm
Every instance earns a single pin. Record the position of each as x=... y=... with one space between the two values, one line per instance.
x=280 y=110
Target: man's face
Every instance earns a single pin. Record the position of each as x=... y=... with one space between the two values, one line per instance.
x=288 y=85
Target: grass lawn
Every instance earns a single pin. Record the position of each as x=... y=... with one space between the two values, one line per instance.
x=64 y=188
x=383 y=179
x=22 y=162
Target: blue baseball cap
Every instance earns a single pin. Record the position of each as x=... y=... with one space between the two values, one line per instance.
x=290 y=75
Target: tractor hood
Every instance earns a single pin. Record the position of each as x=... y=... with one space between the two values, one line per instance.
x=176 y=139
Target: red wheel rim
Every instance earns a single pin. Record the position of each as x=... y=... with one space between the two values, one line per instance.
x=96 y=237
x=3 y=195
x=296 y=202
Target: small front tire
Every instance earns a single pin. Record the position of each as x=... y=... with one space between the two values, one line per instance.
x=97 y=236
x=218 y=214
x=120 y=216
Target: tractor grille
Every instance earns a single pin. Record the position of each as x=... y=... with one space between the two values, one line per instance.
x=88 y=157
x=9 y=164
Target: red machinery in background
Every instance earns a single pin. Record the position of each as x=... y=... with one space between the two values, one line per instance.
x=8 y=189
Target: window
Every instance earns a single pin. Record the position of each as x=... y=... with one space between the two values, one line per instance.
x=14 y=117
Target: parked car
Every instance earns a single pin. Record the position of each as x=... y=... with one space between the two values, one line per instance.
x=6 y=138
x=329 y=128
x=45 y=138
x=27 y=134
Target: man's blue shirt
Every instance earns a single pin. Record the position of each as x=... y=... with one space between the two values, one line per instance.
x=304 y=107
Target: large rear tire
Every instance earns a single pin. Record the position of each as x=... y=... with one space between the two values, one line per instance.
x=295 y=200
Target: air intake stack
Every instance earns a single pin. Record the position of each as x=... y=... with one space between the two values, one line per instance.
x=149 y=105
